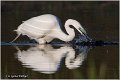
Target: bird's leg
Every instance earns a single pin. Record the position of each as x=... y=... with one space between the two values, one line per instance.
x=48 y=39
x=67 y=42
x=41 y=41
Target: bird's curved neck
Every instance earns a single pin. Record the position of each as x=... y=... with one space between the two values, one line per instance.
x=70 y=31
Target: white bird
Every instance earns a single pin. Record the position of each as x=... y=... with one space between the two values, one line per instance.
x=45 y=28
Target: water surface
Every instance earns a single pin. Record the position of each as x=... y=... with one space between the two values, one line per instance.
x=60 y=62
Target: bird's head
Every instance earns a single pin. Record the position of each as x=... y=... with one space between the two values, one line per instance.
x=77 y=25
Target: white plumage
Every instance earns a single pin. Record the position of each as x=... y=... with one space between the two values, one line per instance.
x=46 y=27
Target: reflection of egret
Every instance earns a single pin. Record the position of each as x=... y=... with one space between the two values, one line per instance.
x=46 y=27
x=46 y=59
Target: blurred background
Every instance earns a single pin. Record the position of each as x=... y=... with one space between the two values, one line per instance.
x=99 y=18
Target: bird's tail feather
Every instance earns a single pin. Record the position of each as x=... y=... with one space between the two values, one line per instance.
x=16 y=38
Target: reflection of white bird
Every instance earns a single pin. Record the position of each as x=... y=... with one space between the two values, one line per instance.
x=72 y=62
x=46 y=27
x=46 y=59
x=43 y=58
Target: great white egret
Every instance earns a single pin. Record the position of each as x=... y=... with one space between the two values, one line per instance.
x=45 y=28
x=46 y=59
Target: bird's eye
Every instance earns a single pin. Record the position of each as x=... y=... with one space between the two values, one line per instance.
x=71 y=26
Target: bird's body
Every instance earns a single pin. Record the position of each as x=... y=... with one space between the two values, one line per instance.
x=46 y=27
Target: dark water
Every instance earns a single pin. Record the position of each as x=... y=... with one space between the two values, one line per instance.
x=60 y=62
x=100 y=20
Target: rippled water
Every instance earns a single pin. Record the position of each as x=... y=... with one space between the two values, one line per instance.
x=59 y=61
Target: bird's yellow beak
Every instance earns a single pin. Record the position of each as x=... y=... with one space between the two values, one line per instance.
x=82 y=31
